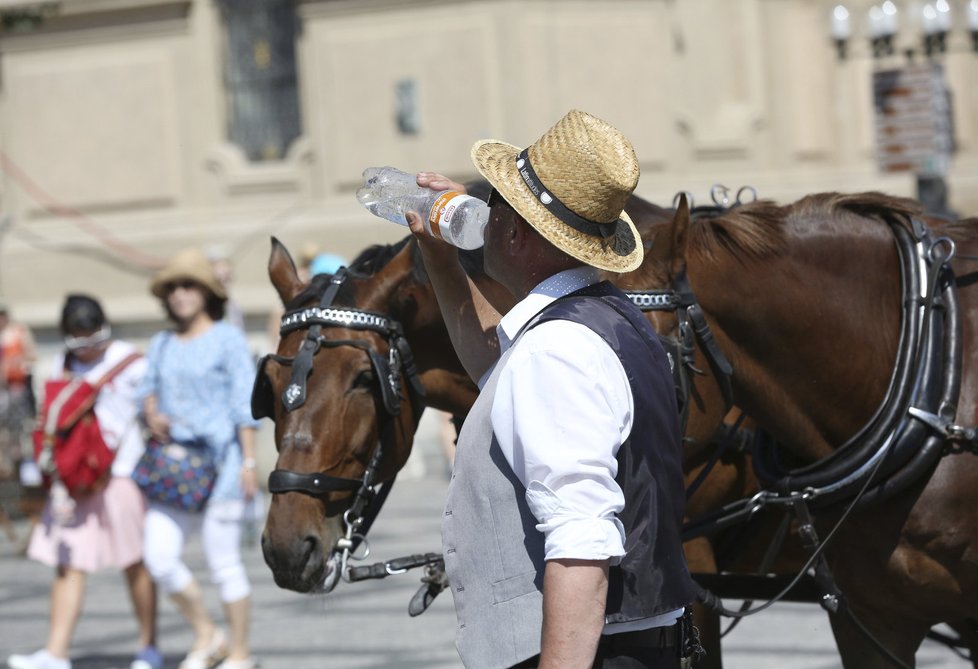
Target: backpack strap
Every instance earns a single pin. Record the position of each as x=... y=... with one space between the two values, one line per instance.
x=88 y=404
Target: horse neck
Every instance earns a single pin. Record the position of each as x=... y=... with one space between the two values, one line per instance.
x=811 y=333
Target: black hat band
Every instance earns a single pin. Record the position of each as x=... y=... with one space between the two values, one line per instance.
x=618 y=234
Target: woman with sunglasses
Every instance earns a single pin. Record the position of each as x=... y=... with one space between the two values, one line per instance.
x=197 y=394
x=104 y=529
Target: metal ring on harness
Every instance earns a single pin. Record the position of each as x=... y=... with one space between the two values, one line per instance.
x=747 y=189
x=719 y=193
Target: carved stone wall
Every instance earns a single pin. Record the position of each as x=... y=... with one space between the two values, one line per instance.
x=114 y=121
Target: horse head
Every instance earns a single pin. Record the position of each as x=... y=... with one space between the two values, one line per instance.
x=344 y=394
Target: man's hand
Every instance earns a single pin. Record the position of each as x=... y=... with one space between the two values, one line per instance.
x=439 y=182
x=470 y=318
x=436 y=182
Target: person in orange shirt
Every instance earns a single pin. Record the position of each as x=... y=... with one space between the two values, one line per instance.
x=17 y=356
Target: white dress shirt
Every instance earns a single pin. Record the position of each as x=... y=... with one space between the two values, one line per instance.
x=562 y=409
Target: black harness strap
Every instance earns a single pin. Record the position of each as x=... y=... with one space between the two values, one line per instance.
x=317 y=485
x=294 y=395
x=692 y=327
x=730 y=437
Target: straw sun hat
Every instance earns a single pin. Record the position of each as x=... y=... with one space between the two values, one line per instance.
x=572 y=186
x=189 y=264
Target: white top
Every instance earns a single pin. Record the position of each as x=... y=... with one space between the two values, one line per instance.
x=117 y=405
x=562 y=409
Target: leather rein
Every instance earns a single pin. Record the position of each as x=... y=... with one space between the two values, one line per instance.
x=369 y=494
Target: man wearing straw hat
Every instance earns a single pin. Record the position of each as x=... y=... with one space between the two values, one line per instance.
x=562 y=525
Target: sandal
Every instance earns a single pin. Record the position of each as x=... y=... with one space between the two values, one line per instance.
x=205 y=658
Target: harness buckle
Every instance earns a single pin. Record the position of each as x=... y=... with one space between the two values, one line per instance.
x=944 y=426
x=351 y=522
x=935 y=254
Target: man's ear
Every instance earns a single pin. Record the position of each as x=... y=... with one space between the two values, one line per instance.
x=521 y=230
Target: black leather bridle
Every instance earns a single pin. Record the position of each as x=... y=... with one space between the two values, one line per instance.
x=692 y=327
x=389 y=370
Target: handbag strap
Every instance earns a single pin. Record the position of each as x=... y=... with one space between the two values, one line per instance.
x=87 y=405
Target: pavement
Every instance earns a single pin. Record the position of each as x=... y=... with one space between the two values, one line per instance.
x=361 y=625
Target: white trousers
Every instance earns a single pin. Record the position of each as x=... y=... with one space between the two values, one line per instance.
x=166 y=531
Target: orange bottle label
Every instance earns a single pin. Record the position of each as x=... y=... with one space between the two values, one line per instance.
x=438 y=212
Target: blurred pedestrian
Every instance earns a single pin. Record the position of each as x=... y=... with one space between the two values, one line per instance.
x=17 y=357
x=220 y=261
x=104 y=529
x=325 y=263
x=197 y=391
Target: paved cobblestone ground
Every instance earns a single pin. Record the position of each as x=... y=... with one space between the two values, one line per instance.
x=363 y=625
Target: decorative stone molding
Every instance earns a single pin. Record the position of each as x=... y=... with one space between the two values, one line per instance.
x=236 y=176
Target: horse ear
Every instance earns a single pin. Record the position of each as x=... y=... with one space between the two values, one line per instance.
x=680 y=232
x=282 y=272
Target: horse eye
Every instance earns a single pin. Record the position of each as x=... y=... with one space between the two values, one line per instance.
x=365 y=379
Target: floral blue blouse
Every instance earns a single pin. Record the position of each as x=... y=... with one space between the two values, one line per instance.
x=203 y=385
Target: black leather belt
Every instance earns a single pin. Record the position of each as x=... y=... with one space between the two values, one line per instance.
x=656 y=637
x=623 y=642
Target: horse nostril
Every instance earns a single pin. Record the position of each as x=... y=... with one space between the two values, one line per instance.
x=311 y=549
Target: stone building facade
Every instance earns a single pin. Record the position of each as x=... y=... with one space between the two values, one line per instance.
x=132 y=128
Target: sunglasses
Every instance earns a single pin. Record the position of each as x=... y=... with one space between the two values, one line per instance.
x=185 y=284
x=91 y=341
x=494 y=197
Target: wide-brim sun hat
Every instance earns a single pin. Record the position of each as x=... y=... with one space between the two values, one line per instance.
x=188 y=265
x=571 y=185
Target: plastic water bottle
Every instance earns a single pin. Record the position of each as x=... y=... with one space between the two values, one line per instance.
x=457 y=218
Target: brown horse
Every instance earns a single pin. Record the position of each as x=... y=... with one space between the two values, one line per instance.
x=390 y=292
x=392 y=281
x=334 y=432
x=807 y=303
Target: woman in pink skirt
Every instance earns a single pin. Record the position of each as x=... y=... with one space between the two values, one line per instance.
x=105 y=529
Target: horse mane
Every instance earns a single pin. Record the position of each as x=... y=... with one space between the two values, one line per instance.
x=874 y=204
x=961 y=229
x=750 y=231
x=363 y=266
x=375 y=257
x=758 y=229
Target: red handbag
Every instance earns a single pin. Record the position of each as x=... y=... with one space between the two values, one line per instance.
x=68 y=443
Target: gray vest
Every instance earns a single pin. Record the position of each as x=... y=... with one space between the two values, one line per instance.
x=496 y=580
x=493 y=551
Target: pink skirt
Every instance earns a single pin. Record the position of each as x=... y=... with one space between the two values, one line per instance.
x=105 y=530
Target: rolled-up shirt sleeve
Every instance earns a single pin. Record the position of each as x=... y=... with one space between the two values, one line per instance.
x=562 y=409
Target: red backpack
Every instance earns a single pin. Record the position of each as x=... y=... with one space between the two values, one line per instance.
x=68 y=443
